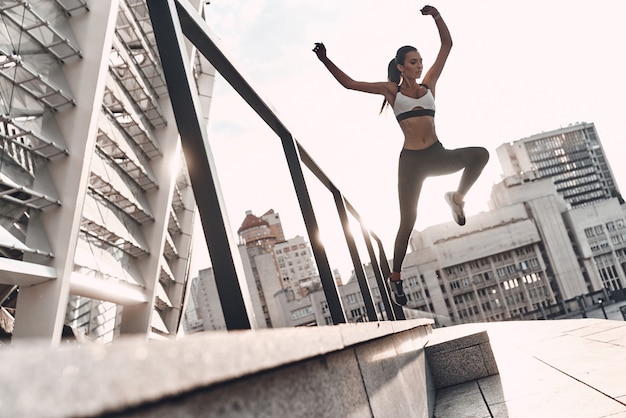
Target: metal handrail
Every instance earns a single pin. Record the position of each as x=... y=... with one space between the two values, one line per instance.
x=173 y=20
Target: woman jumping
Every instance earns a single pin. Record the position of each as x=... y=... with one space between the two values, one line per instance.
x=422 y=154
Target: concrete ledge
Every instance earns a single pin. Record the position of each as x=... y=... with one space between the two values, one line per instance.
x=461 y=359
x=349 y=366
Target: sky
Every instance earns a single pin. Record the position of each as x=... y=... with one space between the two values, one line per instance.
x=516 y=69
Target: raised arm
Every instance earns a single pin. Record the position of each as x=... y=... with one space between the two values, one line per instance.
x=384 y=88
x=432 y=75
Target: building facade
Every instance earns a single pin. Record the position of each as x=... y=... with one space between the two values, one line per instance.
x=599 y=235
x=96 y=206
x=510 y=263
x=572 y=157
x=192 y=321
x=296 y=266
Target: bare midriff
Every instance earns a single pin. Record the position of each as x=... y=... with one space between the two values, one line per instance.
x=419 y=132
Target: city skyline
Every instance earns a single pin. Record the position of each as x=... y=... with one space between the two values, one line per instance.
x=514 y=81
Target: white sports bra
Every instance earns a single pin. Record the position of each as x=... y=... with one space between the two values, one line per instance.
x=405 y=107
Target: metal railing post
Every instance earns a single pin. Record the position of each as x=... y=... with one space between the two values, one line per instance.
x=331 y=292
x=382 y=285
x=354 y=255
x=384 y=264
x=187 y=112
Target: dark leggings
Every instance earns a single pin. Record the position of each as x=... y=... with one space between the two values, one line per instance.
x=414 y=167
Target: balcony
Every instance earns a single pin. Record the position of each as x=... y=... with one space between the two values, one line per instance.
x=29 y=79
x=41 y=30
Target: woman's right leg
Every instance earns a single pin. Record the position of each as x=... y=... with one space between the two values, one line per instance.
x=408 y=197
x=412 y=167
x=410 y=181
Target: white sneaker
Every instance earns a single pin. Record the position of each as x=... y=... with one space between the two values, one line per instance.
x=457 y=209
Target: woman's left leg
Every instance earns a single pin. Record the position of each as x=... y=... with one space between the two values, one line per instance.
x=472 y=161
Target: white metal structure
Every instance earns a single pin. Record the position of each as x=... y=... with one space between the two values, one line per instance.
x=96 y=208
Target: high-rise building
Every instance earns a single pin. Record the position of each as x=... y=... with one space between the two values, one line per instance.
x=273 y=265
x=96 y=208
x=572 y=157
x=257 y=236
x=192 y=321
x=208 y=305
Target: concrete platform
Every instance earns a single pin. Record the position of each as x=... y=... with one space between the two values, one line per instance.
x=561 y=368
x=348 y=370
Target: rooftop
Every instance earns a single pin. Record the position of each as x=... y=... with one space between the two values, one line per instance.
x=559 y=368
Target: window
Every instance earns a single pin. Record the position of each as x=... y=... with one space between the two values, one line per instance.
x=355 y=313
x=324 y=307
x=352 y=298
x=416 y=295
x=302 y=312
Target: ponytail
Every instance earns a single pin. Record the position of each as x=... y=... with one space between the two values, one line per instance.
x=393 y=74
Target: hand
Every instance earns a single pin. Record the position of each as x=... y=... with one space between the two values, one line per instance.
x=430 y=10
x=320 y=50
